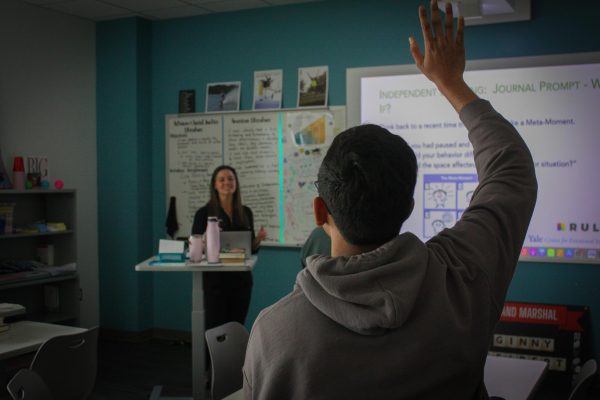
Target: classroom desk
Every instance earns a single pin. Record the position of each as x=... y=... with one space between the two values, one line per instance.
x=513 y=378
x=509 y=378
x=198 y=350
x=239 y=395
x=27 y=336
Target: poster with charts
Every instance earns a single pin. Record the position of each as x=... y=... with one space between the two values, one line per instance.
x=251 y=147
x=193 y=145
x=276 y=154
x=306 y=138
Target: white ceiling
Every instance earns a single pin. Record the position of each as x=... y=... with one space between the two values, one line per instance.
x=102 y=10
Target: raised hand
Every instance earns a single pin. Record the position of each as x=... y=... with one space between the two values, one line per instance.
x=444 y=60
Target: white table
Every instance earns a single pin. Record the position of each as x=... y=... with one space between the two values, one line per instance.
x=513 y=378
x=239 y=395
x=27 y=336
x=198 y=351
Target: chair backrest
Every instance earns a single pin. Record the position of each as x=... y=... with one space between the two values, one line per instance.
x=584 y=379
x=68 y=364
x=27 y=385
x=227 y=347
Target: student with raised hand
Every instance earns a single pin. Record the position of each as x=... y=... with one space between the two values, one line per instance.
x=387 y=316
x=227 y=294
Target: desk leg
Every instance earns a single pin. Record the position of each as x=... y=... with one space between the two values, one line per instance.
x=198 y=349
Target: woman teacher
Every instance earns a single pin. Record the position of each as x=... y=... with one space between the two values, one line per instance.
x=227 y=294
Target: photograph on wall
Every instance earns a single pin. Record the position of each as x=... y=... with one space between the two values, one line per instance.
x=312 y=86
x=223 y=96
x=187 y=101
x=267 y=89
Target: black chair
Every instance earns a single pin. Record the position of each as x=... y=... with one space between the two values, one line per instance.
x=227 y=348
x=584 y=380
x=64 y=367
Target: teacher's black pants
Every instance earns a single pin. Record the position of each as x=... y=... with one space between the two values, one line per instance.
x=226 y=297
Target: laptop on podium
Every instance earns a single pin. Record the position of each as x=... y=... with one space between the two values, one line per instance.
x=237 y=240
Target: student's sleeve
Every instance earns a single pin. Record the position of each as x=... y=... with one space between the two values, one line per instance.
x=489 y=236
x=200 y=221
x=247 y=385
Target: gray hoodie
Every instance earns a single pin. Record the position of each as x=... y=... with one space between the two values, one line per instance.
x=408 y=320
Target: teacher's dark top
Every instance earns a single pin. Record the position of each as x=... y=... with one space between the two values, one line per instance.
x=217 y=281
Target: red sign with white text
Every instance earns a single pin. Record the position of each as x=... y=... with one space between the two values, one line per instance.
x=526 y=313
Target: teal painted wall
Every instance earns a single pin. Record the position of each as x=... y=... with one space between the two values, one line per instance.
x=188 y=53
x=124 y=142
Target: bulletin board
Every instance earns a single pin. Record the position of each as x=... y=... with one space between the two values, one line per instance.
x=276 y=154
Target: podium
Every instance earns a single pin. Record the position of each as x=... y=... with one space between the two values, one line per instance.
x=198 y=349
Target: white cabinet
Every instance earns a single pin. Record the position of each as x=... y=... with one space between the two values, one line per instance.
x=50 y=294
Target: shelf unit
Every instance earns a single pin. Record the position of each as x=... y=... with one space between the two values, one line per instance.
x=48 y=297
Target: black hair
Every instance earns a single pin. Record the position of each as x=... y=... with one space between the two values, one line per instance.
x=367 y=180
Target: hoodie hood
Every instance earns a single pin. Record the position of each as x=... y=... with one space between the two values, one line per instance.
x=369 y=293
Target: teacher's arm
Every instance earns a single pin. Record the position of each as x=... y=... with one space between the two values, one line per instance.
x=256 y=238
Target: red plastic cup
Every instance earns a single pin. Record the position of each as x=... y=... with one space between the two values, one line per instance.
x=18 y=165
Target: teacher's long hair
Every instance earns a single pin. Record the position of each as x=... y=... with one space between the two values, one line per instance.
x=239 y=217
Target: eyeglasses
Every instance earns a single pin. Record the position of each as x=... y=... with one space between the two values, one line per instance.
x=316 y=183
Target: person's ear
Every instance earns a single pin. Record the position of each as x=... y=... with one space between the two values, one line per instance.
x=320 y=211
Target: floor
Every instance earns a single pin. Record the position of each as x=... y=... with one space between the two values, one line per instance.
x=129 y=370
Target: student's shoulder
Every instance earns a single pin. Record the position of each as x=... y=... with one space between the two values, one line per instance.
x=284 y=309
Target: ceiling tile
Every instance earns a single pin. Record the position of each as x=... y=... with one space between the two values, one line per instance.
x=231 y=5
x=174 y=12
x=283 y=2
x=42 y=2
x=101 y=10
x=142 y=5
x=89 y=9
x=199 y=2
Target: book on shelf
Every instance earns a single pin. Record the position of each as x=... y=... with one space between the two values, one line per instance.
x=56 y=226
x=8 y=310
